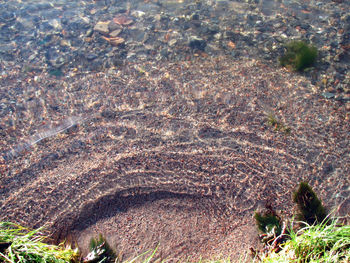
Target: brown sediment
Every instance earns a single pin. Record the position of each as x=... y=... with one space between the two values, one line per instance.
x=176 y=153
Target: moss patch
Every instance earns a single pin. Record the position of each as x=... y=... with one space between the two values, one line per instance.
x=299 y=56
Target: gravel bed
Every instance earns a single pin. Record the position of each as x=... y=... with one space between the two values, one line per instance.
x=150 y=121
x=63 y=36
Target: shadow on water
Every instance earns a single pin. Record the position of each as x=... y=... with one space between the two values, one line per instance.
x=119 y=203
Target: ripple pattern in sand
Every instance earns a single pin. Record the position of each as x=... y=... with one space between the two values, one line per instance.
x=195 y=128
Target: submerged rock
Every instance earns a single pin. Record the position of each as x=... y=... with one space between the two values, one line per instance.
x=102 y=27
x=197 y=43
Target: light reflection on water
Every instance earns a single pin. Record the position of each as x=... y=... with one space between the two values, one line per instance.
x=99 y=117
x=58 y=37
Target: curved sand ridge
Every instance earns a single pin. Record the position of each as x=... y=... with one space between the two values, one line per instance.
x=176 y=153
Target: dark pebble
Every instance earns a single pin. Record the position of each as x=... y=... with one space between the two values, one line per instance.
x=197 y=43
x=208 y=132
x=91 y=56
x=109 y=114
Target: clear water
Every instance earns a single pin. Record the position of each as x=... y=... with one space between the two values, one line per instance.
x=69 y=94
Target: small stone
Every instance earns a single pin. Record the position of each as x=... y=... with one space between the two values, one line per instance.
x=218 y=36
x=109 y=114
x=91 y=56
x=123 y=19
x=172 y=42
x=115 y=33
x=197 y=43
x=347 y=107
x=343 y=98
x=328 y=95
x=138 y=13
x=116 y=41
x=137 y=34
x=231 y=45
x=55 y=24
x=331 y=90
x=157 y=17
x=89 y=32
x=114 y=26
x=64 y=43
x=102 y=27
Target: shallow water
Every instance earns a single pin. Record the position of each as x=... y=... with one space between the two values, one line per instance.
x=58 y=37
x=178 y=111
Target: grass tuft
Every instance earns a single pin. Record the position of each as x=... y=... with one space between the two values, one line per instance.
x=145 y=257
x=325 y=242
x=24 y=245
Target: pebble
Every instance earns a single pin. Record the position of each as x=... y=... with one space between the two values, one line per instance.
x=328 y=95
x=115 y=33
x=89 y=32
x=138 y=13
x=102 y=27
x=112 y=26
x=218 y=36
x=123 y=19
x=197 y=43
x=91 y=56
x=116 y=41
x=172 y=42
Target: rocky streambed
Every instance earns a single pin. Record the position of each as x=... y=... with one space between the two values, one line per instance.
x=178 y=153
x=170 y=123
x=99 y=35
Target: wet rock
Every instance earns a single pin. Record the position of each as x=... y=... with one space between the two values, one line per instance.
x=115 y=33
x=172 y=42
x=89 y=32
x=138 y=13
x=197 y=43
x=136 y=34
x=116 y=41
x=123 y=19
x=91 y=56
x=114 y=26
x=56 y=24
x=164 y=52
x=328 y=95
x=208 y=29
x=102 y=27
